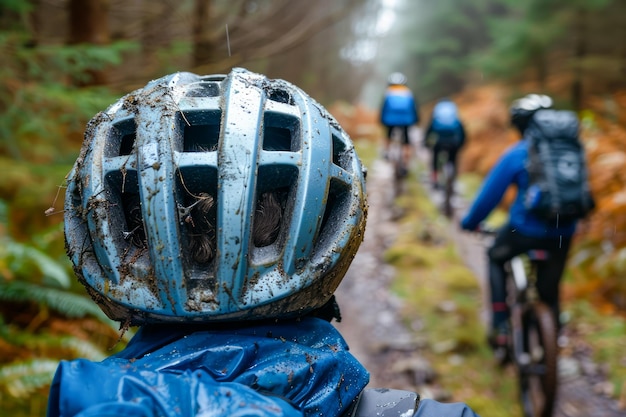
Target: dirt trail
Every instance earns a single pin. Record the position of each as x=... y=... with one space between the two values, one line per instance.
x=370 y=312
x=390 y=351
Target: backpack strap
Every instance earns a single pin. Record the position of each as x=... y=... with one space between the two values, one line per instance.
x=383 y=402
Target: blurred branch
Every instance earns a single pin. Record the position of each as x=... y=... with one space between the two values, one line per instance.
x=280 y=27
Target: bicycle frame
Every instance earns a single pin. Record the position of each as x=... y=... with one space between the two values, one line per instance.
x=532 y=335
x=524 y=292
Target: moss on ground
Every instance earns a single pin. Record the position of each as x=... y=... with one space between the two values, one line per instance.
x=606 y=332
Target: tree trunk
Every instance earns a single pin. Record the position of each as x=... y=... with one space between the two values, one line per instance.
x=89 y=24
x=34 y=24
x=580 y=52
x=541 y=65
x=203 y=45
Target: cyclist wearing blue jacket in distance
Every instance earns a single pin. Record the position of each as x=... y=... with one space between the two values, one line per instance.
x=399 y=111
x=219 y=213
x=449 y=133
x=524 y=231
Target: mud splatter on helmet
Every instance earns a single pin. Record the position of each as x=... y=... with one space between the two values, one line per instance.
x=214 y=198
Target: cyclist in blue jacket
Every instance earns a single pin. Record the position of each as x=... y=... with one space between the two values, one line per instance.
x=449 y=136
x=219 y=213
x=399 y=110
x=524 y=231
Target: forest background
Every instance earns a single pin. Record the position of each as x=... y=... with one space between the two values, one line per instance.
x=65 y=60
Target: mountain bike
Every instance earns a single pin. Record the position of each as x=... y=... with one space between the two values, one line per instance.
x=532 y=342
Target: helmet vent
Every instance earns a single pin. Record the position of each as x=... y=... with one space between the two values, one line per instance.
x=135 y=232
x=201 y=222
x=341 y=155
x=126 y=226
x=269 y=224
x=197 y=212
x=121 y=138
x=336 y=212
x=281 y=96
x=268 y=216
x=281 y=132
x=201 y=130
x=125 y=215
x=204 y=89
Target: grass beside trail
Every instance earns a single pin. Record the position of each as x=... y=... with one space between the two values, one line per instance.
x=604 y=335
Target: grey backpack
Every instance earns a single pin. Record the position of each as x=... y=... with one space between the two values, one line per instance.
x=559 y=188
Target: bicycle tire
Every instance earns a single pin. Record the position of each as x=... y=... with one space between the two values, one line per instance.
x=538 y=378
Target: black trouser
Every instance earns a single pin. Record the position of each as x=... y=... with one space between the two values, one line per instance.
x=450 y=151
x=509 y=243
x=403 y=129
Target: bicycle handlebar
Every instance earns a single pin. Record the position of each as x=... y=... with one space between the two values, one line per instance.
x=483 y=229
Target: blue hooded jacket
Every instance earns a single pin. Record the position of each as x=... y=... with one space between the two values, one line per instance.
x=399 y=107
x=292 y=369
x=511 y=169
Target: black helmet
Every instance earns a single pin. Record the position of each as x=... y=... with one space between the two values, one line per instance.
x=523 y=109
x=396 y=78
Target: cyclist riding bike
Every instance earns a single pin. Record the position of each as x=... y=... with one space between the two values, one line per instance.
x=524 y=230
x=219 y=213
x=449 y=136
x=399 y=111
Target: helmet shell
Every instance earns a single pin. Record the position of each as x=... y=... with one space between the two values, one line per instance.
x=524 y=108
x=396 y=78
x=152 y=155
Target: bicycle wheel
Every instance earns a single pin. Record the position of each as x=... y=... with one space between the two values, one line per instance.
x=538 y=370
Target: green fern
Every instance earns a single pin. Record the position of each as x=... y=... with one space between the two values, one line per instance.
x=82 y=349
x=51 y=345
x=24 y=258
x=21 y=379
x=69 y=304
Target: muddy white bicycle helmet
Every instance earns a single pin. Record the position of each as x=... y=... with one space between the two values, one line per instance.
x=524 y=108
x=214 y=198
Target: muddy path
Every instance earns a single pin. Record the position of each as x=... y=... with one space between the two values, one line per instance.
x=390 y=349
x=370 y=312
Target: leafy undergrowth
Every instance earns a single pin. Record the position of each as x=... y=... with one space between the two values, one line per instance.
x=45 y=317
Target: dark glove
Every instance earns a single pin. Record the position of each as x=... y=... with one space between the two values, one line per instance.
x=431 y=408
